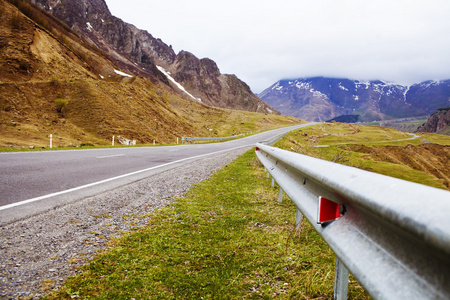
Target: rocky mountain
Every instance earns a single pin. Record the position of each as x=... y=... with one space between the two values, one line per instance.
x=439 y=122
x=139 y=53
x=321 y=98
x=52 y=81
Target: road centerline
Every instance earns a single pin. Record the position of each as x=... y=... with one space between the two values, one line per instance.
x=108 y=156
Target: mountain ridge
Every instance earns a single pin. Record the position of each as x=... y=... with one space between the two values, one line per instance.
x=323 y=98
x=139 y=53
x=54 y=82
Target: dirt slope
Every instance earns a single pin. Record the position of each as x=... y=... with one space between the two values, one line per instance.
x=42 y=65
x=433 y=159
x=423 y=158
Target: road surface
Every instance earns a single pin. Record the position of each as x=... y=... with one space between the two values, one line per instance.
x=31 y=182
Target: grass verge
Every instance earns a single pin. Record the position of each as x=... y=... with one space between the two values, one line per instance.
x=423 y=158
x=228 y=238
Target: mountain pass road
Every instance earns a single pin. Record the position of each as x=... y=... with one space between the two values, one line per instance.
x=36 y=181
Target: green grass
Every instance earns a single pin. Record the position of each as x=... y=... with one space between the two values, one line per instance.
x=228 y=238
x=403 y=172
x=342 y=139
x=341 y=133
x=435 y=138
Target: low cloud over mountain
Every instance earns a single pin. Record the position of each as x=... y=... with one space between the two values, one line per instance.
x=321 y=98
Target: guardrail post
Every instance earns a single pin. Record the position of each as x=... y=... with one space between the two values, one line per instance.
x=273 y=183
x=340 y=281
x=268 y=175
x=298 y=218
x=280 y=195
x=363 y=239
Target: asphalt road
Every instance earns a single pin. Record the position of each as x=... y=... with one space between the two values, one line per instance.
x=35 y=181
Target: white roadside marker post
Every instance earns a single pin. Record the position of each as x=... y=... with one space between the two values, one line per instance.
x=51 y=141
x=113 y=141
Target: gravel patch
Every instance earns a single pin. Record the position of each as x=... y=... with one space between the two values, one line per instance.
x=38 y=253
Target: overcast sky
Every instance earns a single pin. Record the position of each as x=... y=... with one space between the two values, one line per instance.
x=261 y=41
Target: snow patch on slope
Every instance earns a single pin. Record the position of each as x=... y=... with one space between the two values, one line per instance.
x=342 y=87
x=277 y=87
x=362 y=84
x=308 y=86
x=122 y=73
x=427 y=84
x=167 y=74
x=406 y=92
x=303 y=85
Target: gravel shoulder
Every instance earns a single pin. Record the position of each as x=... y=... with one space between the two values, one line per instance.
x=38 y=253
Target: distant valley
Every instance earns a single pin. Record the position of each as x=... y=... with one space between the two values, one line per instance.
x=322 y=98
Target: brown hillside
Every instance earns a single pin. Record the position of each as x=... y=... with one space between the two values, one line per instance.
x=41 y=67
x=97 y=110
x=423 y=159
x=433 y=159
x=43 y=48
x=139 y=53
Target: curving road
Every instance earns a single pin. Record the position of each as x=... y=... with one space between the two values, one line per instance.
x=31 y=182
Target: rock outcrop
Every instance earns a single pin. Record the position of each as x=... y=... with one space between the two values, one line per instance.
x=439 y=122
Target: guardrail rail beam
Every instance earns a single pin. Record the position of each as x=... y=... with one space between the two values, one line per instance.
x=393 y=235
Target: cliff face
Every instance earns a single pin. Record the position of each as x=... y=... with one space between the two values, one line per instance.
x=439 y=122
x=139 y=53
x=202 y=76
x=35 y=46
x=321 y=98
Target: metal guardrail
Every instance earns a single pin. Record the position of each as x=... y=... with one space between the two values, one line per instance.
x=188 y=139
x=393 y=235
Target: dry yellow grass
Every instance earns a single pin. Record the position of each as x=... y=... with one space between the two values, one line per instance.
x=45 y=63
x=96 y=110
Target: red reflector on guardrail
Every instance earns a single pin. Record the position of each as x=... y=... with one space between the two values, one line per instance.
x=327 y=211
x=257 y=149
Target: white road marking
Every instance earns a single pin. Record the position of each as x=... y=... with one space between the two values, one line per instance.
x=111 y=179
x=108 y=156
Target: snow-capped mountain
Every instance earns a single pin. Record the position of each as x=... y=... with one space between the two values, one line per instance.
x=321 y=98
